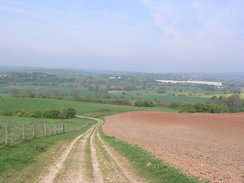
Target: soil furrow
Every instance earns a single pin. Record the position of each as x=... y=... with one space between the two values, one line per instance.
x=206 y=145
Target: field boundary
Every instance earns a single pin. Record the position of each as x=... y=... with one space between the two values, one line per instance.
x=14 y=133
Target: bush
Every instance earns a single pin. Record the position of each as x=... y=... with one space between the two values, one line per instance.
x=37 y=114
x=121 y=102
x=69 y=113
x=232 y=103
x=186 y=107
x=202 y=108
x=161 y=90
x=51 y=114
x=144 y=103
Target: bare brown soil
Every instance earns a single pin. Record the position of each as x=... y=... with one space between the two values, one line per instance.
x=207 y=145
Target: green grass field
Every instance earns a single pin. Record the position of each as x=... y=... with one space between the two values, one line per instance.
x=16 y=124
x=32 y=104
x=19 y=153
x=21 y=162
x=43 y=127
x=152 y=95
x=62 y=88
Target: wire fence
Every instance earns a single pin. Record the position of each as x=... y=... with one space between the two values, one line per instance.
x=13 y=133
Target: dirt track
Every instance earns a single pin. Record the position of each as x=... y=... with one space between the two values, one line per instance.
x=89 y=159
x=207 y=145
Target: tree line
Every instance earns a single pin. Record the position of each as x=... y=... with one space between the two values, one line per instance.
x=215 y=104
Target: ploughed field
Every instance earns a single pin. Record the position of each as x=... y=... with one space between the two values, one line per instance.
x=210 y=146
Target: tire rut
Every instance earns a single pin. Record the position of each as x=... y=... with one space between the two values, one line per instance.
x=73 y=169
x=115 y=168
x=55 y=169
x=110 y=171
x=121 y=162
x=97 y=174
x=105 y=164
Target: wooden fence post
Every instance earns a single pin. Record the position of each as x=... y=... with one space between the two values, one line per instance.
x=45 y=129
x=24 y=132
x=55 y=129
x=6 y=134
x=63 y=129
x=33 y=130
x=42 y=129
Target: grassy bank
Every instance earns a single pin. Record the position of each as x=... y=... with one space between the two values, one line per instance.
x=16 y=160
x=147 y=166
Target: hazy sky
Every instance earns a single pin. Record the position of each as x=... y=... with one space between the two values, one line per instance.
x=130 y=35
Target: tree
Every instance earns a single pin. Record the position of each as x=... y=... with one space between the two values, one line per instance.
x=29 y=94
x=144 y=103
x=161 y=90
x=69 y=113
x=237 y=91
x=14 y=92
x=139 y=103
x=234 y=103
x=52 y=114
x=76 y=95
x=148 y=103
x=186 y=107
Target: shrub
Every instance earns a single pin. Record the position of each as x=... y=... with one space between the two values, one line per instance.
x=144 y=103
x=69 y=113
x=51 y=114
x=186 y=107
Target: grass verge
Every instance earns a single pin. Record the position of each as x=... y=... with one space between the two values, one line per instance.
x=152 y=169
x=16 y=159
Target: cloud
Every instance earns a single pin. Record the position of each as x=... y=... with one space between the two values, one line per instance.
x=198 y=30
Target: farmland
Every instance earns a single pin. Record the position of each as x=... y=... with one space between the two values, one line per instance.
x=224 y=95
x=32 y=104
x=67 y=143
x=142 y=91
x=206 y=145
x=70 y=84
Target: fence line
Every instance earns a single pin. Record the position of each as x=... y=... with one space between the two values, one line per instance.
x=13 y=133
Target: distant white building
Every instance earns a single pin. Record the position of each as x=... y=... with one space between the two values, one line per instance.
x=218 y=84
x=112 y=77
